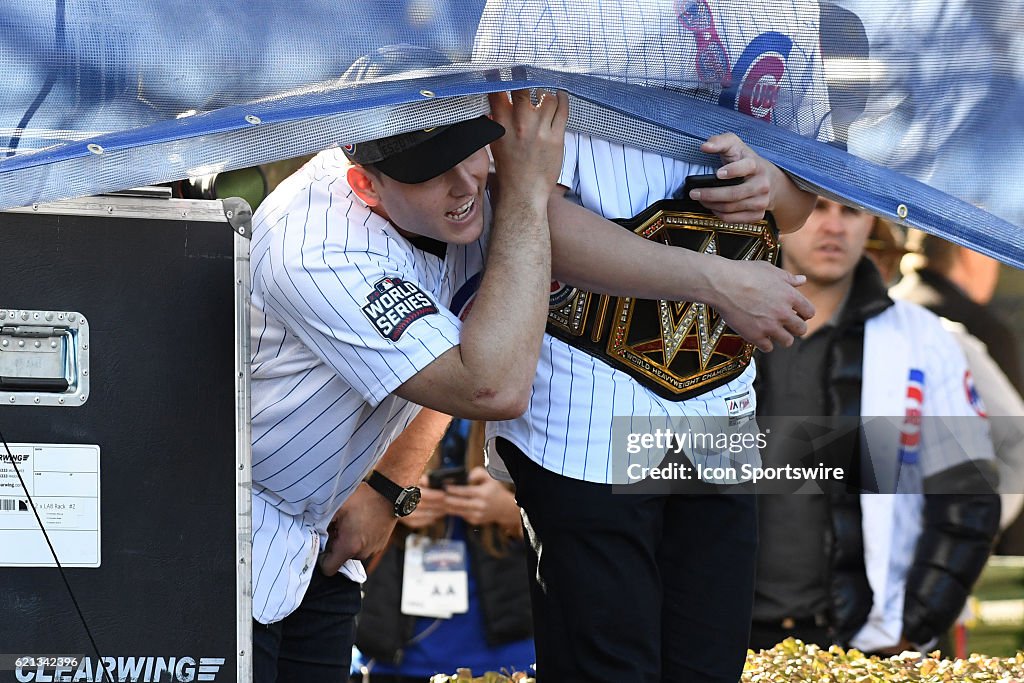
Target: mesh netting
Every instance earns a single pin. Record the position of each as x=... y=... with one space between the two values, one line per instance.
x=925 y=95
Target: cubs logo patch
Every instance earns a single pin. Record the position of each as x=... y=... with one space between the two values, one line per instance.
x=713 y=64
x=695 y=15
x=394 y=304
x=910 y=431
x=973 y=397
x=758 y=75
x=349 y=149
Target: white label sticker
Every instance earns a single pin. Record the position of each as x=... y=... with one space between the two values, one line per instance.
x=62 y=481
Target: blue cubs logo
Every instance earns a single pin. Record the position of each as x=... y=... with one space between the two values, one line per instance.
x=349 y=149
x=757 y=76
x=973 y=397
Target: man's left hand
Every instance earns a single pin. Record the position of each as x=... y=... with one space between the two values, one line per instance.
x=360 y=529
x=742 y=203
x=765 y=187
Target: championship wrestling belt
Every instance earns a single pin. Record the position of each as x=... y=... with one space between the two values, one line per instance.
x=677 y=349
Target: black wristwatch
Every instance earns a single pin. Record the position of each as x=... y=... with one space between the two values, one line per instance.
x=405 y=499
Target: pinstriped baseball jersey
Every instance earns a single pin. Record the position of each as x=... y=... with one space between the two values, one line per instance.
x=762 y=59
x=730 y=52
x=344 y=310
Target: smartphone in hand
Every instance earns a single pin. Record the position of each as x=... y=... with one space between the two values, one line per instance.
x=698 y=182
x=442 y=476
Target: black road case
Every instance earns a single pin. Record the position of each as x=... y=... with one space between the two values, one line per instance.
x=124 y=403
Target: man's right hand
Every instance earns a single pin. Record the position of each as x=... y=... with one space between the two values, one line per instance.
x=761 y=303
x=489 y=375
x=528 y=157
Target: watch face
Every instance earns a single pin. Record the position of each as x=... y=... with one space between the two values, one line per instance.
x=408 y=501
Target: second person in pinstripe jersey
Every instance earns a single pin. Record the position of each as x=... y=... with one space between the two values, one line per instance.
x=678 y=570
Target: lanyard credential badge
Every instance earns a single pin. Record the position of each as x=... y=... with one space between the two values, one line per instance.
x=435 y=582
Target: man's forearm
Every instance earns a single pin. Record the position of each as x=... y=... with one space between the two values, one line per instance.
x=600 y=256
x=513 y=295
x=489 y=374
x=405 y=459
x=513 y=292
x=790 y=205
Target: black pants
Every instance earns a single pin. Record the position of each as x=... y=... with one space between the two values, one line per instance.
x=635 y=588
x=313 y=644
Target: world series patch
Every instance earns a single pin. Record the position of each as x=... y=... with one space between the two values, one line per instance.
x=394 y=304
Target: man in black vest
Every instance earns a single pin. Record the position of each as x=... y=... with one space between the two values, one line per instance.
x=819 y=575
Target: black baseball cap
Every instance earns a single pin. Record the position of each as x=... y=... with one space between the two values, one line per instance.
x=419 y=155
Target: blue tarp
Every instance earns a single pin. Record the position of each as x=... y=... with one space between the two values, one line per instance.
x=907 y=108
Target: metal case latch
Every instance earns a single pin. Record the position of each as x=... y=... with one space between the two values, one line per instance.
x=44 y=358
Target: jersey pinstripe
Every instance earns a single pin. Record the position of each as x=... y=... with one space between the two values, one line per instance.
x=724 y=51
x=344 y=310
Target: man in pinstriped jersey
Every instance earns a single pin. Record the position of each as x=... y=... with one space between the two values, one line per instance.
x=674 y=573
x=355 y=262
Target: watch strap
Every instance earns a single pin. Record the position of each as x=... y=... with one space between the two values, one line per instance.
x=384 y=486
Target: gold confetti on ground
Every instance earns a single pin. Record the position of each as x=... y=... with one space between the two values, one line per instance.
x=791 y=661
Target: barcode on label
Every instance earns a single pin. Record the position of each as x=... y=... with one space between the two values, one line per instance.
x=12 y=505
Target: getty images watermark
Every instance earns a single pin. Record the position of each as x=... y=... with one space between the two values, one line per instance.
x=800 y=454
x=724 y=454
x=727 y=473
